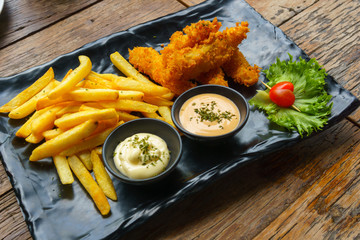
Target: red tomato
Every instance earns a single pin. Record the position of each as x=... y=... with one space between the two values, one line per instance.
x=282 y=97
x=283 y=85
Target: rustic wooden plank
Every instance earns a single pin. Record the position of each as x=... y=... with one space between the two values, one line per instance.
x=20 y=19
x=256 y=197
x=332 y=36
x=109 y=15
x=4 y=181
x=12 y=222
x=278 y=12
x=329 y=208
x=189 y=3
x=244 y=203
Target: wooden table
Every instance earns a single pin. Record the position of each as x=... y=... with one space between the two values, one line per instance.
x=310 y=190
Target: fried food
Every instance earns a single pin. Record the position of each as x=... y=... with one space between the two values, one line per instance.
x=214 y=76
x=197 y=53
x=194 y=34
x=240 y=70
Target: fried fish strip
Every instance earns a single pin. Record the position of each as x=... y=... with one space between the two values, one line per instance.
x=175 y=68
x=240 y=70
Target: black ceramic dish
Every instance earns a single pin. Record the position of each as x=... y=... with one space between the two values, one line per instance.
x=144 y=125
x=233 y=95
x=54 y=211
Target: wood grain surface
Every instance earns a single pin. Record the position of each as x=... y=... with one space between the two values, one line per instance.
x=308 y=191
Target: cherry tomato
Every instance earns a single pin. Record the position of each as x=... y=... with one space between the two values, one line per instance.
x=283 y=85
x=282 y=97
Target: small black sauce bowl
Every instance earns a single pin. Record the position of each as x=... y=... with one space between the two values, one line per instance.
x=143 y=125
x=230 y=93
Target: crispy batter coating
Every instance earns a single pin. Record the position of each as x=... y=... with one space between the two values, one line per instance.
x=214 y=76
x=191 y=35
x=240 y=70
x=149 y=61
x=197 y=52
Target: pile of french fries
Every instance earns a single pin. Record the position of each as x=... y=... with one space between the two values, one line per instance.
x=71 y=119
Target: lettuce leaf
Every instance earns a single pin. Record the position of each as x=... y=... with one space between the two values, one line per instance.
x=308 y=78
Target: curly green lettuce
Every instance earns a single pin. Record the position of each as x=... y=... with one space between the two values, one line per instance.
x=308 y=78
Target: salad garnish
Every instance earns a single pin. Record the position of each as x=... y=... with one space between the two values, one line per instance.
x=311 y=98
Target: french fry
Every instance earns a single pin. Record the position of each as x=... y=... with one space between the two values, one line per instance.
x=89 y=95
x=90 y=105
x=131 y=95
x=50 y=134
x=95 y=79
x=68 y=73
x=32 y=138
x=88 y=143
x=47 y=102
x=63 y=141
x=153 y=115
x=130 y=105
x=165 y=112
x=126 y=68
x=70 y=107
x=44 y=122
x=29 y=106
x=98 y=150
x=68 y=83
x=159 y=101
x=25 y=130
x=92 y=84
x=90 y=185
x=63 y=169
x=102 y=177
x=68 y=121
x=29 y=92
x=86 y=107
x=124 y=83
x=169 y=96
x=105 y=124
x=85 y=158
x=124 y=116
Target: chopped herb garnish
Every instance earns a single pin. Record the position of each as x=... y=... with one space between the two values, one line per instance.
x=207 y=113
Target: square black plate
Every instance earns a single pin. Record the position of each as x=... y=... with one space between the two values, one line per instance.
x=53 y=211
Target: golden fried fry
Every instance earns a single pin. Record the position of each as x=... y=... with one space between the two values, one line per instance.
x=68 y=121
x=25 y=130
x=63 y=141
x=50 y=134
x=91 y=95
x=88 y=143
x=126 y=68
x=98 y=150
x=29 y=106
x=44 y=122
x=153 y=115
x=70 y=107
x=85 y=158
x=130 y=105
x=90 y=185
x=124 y=83
x=69 y=83
x=165 y=112
x=124 y=116
x=158 y=101
x=63 y=169
x=102 y=177
x=29 y=92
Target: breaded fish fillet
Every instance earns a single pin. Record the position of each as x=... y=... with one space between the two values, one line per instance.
x=177 y=67
x=240 y=70
x=214 y=76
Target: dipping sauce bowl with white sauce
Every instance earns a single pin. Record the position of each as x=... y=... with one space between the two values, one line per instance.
x=142 y=151
x=210 y=113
